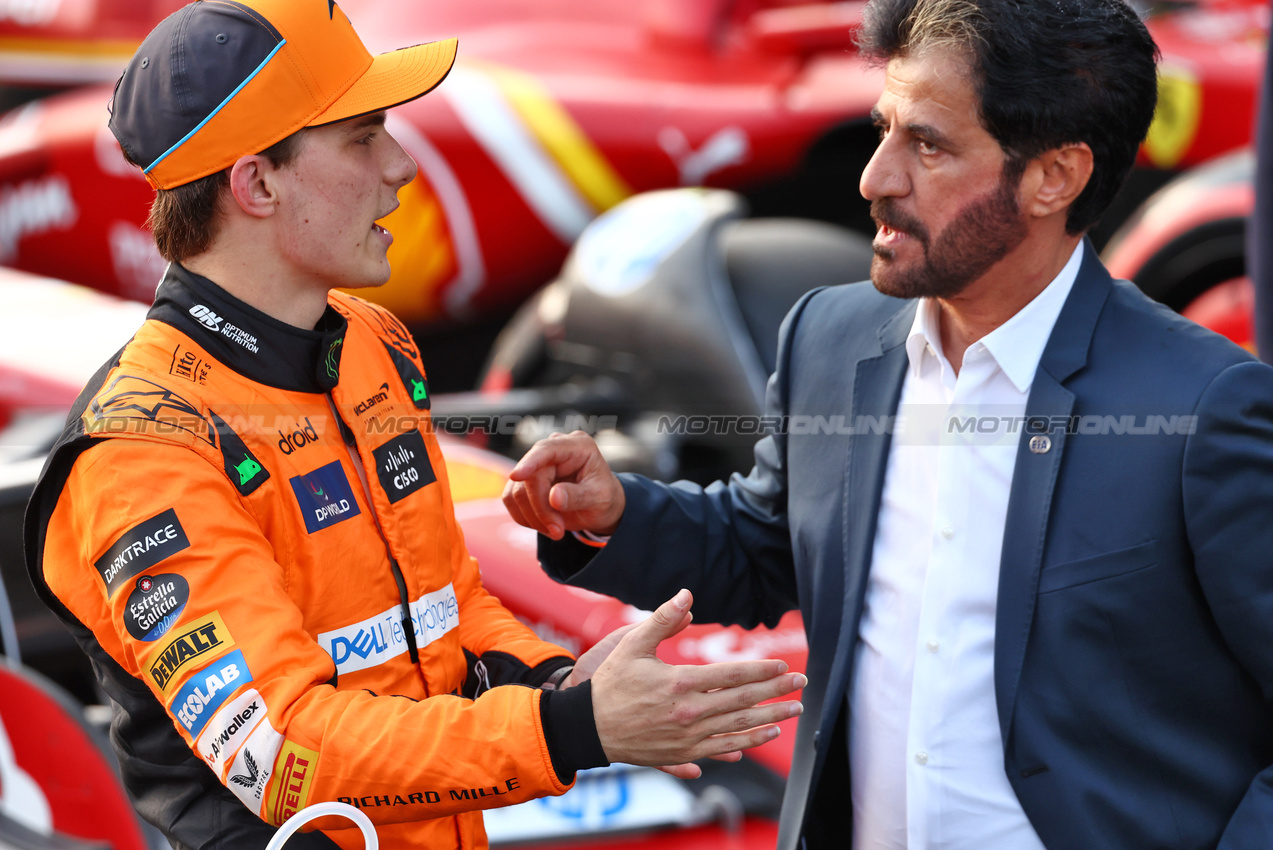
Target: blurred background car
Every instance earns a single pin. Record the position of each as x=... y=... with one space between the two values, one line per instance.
x=557 y=111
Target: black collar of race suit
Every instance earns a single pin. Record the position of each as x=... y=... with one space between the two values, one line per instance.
x=248 y=341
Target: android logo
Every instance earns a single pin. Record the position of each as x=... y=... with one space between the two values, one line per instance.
x=247 y=470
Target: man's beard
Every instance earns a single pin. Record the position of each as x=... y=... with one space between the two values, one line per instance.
x=981 y=235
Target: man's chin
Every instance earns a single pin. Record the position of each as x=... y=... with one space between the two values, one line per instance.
x=888 y=279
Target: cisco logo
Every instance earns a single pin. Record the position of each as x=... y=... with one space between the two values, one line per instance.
x=209 y=319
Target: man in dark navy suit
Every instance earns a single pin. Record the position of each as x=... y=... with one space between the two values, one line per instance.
x=1039 y=602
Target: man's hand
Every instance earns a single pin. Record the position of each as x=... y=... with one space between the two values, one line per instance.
x=588 y=663
x=564 y=484
x=651 y=713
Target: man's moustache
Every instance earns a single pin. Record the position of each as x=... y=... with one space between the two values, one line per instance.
x=884 y=213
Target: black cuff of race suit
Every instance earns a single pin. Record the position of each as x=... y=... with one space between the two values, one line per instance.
x=571 y=731
x=538 y=675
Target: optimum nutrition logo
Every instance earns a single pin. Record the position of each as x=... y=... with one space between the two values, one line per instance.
x=207 y=317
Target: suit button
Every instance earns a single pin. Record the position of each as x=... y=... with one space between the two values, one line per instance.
x=921 y=757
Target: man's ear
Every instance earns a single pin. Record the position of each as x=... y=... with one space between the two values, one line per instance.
x=1054 y=179
x=252 y=185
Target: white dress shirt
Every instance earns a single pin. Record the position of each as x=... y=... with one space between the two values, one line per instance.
x=924 y=742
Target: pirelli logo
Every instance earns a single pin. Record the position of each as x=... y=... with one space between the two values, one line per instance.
x=203 y=640
x=289 y=792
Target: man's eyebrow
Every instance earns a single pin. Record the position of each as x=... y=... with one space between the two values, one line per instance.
x=929 y=133
x=376 y=119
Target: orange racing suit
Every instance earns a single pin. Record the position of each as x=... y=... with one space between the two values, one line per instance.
x=248 y=527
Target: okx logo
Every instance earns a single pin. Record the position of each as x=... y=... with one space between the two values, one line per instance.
x=325 y=497
x=403 y=466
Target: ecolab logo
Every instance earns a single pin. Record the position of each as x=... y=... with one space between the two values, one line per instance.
x=381 y=638
x=205 y=691
x=209 y=319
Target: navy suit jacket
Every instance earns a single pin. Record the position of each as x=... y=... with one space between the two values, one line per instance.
x=1134 y=631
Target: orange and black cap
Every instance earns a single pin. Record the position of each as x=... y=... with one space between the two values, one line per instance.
x=222 y=79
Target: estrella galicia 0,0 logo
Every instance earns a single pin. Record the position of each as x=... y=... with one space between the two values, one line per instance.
x=155 y=604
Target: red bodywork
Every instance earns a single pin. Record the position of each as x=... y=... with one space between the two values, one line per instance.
x=557 y=110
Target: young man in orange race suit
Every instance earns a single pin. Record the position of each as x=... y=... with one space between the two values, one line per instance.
x=247 y=522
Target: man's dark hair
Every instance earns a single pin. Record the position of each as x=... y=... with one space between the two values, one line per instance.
x=184 y=219
x=1047 y=73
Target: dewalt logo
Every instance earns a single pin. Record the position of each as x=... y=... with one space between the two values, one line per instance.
x=202 y=640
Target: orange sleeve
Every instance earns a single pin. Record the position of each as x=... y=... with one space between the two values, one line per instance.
x=210 y=628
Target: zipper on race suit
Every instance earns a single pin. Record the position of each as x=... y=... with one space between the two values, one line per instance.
x=351 y=446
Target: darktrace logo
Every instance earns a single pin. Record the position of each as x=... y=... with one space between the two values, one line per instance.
x=403 y=466
x=368 y=403
x=207 y=317
x=154 y=605
x=140 y=548
x=325 y=497
x=298 y=438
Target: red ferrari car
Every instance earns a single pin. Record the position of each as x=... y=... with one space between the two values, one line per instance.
x=557 y=111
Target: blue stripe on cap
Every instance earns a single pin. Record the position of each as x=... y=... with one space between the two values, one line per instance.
x=213 y=114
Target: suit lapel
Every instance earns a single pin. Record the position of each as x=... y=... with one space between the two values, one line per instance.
x=1034 y=476
x=877 y=387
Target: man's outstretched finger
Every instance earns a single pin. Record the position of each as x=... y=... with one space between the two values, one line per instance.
x=669 y=619
x=548 y=453
x=736 y=674
x=736 y=741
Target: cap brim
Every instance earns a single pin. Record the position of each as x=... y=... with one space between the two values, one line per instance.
x=393 y=78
